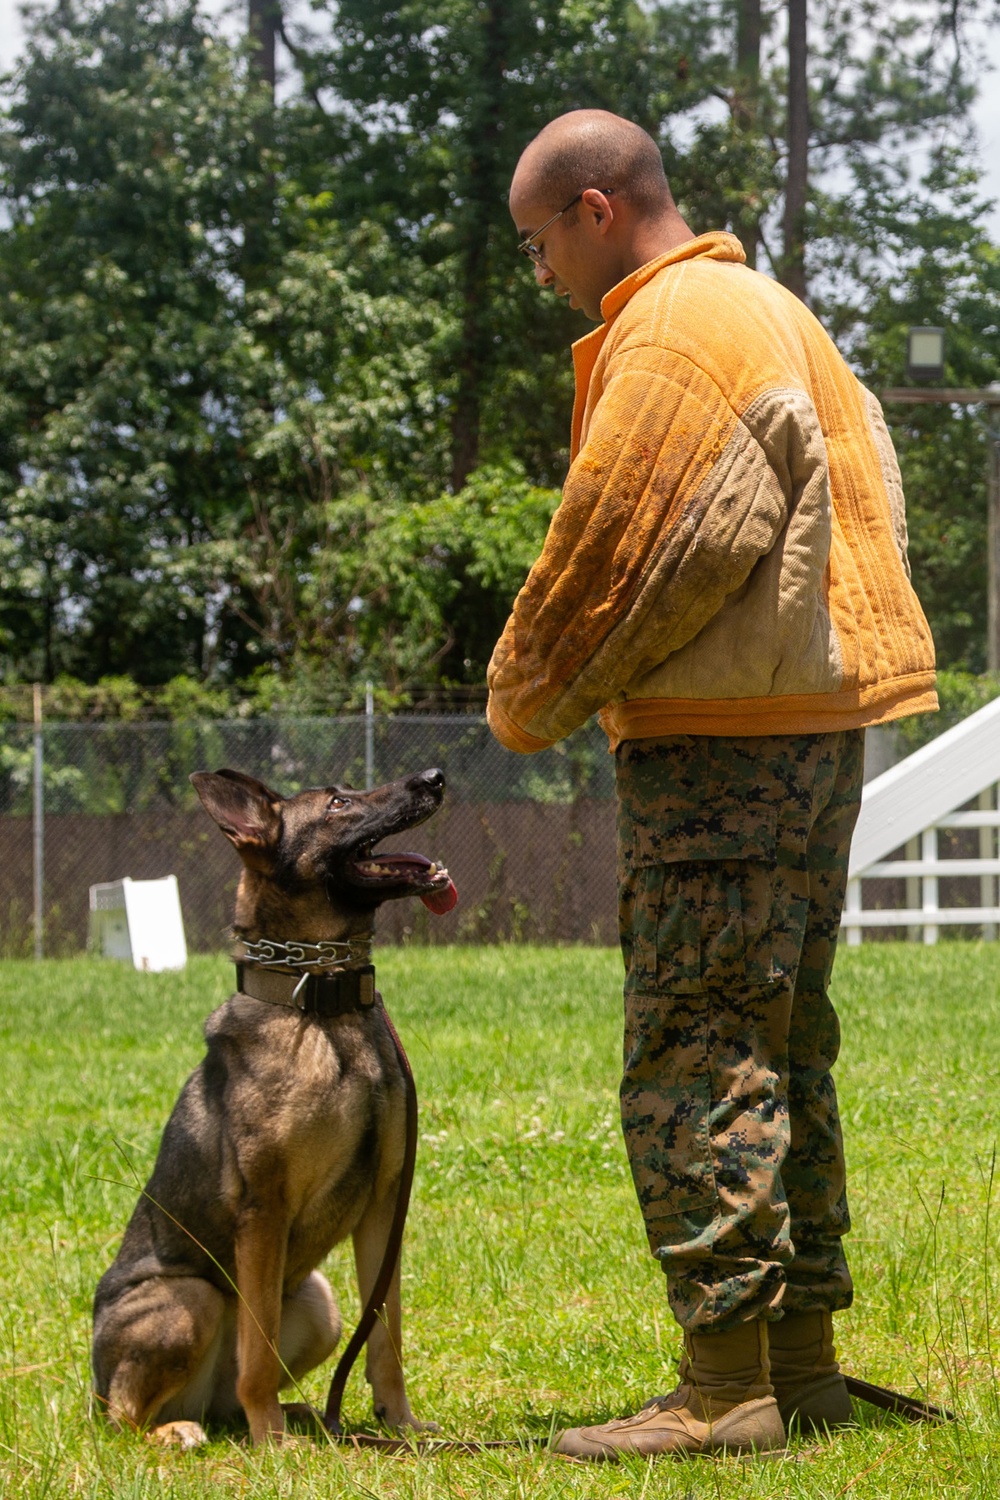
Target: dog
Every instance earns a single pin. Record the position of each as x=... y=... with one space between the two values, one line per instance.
x=287 y=1138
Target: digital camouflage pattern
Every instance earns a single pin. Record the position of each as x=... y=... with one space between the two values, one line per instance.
x=732 y=871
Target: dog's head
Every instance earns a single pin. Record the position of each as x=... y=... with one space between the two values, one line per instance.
x=323 y=840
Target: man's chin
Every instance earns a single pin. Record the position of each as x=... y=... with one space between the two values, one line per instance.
x=594 y=316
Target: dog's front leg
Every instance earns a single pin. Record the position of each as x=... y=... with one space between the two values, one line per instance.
x=260 y=1262
x=384 y=1355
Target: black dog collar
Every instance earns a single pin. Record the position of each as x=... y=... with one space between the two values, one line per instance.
x=333 y=994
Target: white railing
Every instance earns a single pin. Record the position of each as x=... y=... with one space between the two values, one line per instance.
x=905 y=807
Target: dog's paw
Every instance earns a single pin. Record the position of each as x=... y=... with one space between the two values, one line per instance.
x=300 y=1415
x=182 y=1435
x=403 y=1421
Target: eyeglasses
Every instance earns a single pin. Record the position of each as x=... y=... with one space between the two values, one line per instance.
x=530 y=249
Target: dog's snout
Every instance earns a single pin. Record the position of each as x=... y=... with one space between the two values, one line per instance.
x=433 y=778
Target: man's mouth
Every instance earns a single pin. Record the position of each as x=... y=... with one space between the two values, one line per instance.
x=424 y=877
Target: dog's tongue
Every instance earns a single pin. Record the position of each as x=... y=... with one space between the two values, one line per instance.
x=442 y=900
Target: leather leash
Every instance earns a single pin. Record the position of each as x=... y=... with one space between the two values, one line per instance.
x=352 y=989
x=902 y=1406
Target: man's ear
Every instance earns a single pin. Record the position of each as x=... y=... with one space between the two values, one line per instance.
x=246 y=810
x=600 y=208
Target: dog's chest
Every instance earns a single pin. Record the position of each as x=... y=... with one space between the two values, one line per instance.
x=316 y=1111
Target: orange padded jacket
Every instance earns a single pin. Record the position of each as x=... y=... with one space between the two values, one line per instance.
x=729 y=555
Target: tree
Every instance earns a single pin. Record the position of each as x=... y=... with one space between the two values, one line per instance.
x=273 y=377
x=811 y=119
x=175 y=439
x=263 y=24
x=793 y=260
x=745 y=108
x=449 y=94
x=121 y=182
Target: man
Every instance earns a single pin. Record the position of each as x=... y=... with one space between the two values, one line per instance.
x=726 y=581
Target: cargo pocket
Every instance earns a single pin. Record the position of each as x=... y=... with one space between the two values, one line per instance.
x=704 y=903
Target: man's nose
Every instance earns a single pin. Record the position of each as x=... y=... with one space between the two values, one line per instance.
x=543 y=276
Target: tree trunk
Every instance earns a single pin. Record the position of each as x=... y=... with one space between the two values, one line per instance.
x=263 y=20
x=793 y=260
x=263 y=23
x=745 y=107
x=482 y=190
x=48 y=667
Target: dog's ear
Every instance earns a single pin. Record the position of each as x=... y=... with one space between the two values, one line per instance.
x=246 y=810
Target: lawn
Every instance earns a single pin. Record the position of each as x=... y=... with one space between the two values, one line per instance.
x=530 y=1298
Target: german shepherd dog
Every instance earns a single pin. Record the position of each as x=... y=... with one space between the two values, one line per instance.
x=286 y=1139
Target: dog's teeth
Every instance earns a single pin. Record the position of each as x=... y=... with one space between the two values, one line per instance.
x=432 y=869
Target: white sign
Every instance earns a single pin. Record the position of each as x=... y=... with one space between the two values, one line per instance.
x=139 y=920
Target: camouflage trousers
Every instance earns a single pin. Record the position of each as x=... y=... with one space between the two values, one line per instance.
x=732 y=870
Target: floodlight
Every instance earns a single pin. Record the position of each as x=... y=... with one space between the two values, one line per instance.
x=925 y=355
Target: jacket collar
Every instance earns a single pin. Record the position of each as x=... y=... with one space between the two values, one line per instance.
x=715 y=246
x=718 y=245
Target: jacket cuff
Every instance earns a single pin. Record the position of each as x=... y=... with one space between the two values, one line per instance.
x=511 y=735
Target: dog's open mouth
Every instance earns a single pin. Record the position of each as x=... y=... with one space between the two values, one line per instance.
x=427 y=879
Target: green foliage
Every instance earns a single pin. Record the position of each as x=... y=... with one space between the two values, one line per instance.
x=282 y=411
x=449 y=93
x=70 y=700
x=123 y=151
x=416 y=584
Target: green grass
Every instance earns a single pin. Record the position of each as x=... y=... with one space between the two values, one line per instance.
x=530 y=1297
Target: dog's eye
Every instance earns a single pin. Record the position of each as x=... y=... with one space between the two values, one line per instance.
x=336 y=803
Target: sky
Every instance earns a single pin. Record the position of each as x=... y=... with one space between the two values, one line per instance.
x=986 y=113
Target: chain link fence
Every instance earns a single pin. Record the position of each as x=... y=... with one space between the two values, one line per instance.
x=529 y=840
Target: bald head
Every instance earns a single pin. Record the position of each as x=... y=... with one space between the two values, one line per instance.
x=593 y=148
x=590 y=201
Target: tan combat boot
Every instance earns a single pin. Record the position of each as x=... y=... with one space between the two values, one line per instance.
x=724 y=1402
x=808 y=1385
